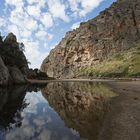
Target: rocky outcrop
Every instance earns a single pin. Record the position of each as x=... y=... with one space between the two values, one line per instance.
x=13 y=63
x=113 y=31
x=13 y=53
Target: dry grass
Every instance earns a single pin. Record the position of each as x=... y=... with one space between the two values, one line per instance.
x=125 y=64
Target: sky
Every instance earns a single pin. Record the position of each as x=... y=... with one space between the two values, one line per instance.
x=41 y=24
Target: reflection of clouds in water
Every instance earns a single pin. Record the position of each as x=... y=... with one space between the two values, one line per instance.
x=33 y=99
x=44 y=135
x=28 y=131
x=25 y=122
x=44 y=110
x=21 y=133
x=65 y=138
x=39 y=122
x=49 y=119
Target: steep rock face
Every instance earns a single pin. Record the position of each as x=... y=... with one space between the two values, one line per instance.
x=114 y=30
x=16 y=75
x=13 y=53
x=13 y=63
x=4 y=73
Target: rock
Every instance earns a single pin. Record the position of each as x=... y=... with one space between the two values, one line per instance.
x=10 y=39
x=17 y=76
x=4 y=73
x=113 y=31
x=13 y=63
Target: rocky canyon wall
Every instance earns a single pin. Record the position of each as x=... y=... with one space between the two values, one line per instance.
x=113 y=31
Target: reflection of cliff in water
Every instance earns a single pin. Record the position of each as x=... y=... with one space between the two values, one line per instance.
x=81 y=105
x=12 y=103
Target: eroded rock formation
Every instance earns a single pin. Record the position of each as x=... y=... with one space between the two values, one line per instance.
x=114 y=30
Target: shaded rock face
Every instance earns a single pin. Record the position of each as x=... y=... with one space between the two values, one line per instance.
x=13 y=63
x=82 y=106
x=114 y=30
x=10 y=39
x=13 y=49
x=4 y=73
x=16 y=75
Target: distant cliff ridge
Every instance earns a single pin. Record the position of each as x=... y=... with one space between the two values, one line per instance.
x=113 y=31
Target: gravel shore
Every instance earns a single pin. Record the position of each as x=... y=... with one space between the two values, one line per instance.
x=123 y=120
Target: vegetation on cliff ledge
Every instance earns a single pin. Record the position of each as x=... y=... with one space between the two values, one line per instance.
x=124 y=64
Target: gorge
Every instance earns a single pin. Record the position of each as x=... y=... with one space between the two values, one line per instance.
x=112 y=32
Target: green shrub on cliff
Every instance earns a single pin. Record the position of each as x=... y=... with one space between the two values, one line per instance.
x=125 y=64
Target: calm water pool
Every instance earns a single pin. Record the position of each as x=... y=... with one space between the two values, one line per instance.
x=57 y=111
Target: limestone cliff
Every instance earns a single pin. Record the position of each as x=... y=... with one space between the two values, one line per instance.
x=113 y=31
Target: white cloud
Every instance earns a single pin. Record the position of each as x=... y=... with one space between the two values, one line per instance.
x=32 y=52
x=45 y=135
x=32 y=24
x=2 y=22
x=17 y=16
x=74 y=6
x=39 y=121
x=50 y=36
x=20 y=18
x=58 y=10
x=34 y=11
x=25 y=33
x=82 y=7
x=39 y=3
x=46 y=20
x=41 y=34
x=88 y=6
x=32 y=1
x=17 y=3
x=42 y=3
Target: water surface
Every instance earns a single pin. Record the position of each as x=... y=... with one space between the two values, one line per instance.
x=57 y=111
